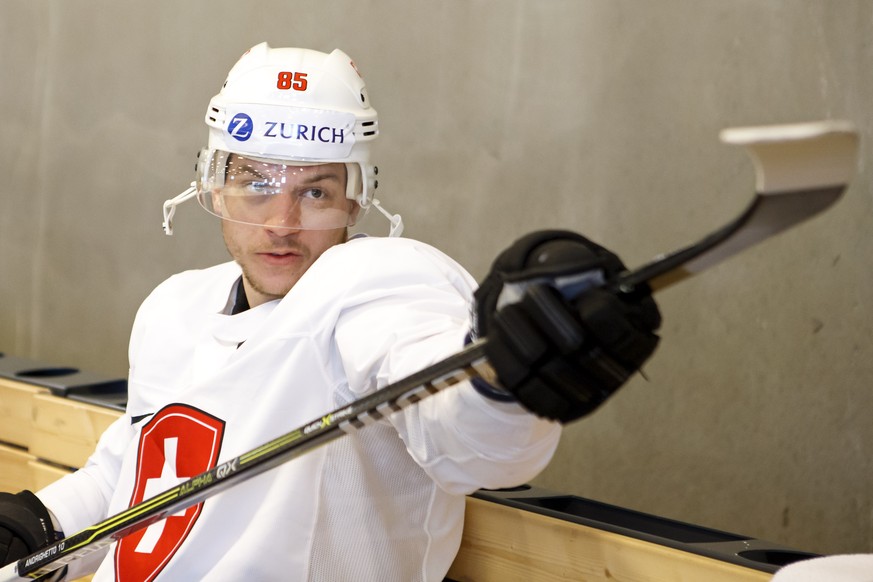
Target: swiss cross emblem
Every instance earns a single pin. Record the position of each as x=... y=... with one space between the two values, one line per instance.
x=178 y=443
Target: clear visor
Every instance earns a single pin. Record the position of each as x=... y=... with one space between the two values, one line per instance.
x=302 y=196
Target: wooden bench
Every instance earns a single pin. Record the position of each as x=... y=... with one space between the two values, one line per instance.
x=44 y=436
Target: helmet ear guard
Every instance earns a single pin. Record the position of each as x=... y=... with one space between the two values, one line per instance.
x=364 y=194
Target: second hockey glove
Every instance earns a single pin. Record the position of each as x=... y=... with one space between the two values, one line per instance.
x=25 y=526
x=559 y=342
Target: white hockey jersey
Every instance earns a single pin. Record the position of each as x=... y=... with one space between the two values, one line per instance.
x=384 y=504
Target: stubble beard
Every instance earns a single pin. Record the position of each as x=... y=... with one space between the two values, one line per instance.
x=263 y=290
x=272 y=289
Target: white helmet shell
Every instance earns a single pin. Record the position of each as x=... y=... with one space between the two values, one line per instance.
x=297 y=106
x=291 y=106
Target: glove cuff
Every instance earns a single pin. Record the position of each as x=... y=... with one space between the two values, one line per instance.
x=487 y=390
x=490 y=392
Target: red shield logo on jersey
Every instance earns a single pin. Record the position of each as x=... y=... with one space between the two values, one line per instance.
x=178 y=443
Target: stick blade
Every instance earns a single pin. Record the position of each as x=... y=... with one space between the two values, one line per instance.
x=799 y=156
x=801 y=170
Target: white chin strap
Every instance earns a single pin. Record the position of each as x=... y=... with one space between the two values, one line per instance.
x=395 y=219
x=171 y=204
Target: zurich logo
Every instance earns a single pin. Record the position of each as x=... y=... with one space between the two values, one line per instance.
x=241 y=127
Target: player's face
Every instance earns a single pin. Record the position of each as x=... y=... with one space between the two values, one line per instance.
x=274 y=255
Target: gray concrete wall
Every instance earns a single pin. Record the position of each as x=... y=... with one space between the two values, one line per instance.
x=498 y=117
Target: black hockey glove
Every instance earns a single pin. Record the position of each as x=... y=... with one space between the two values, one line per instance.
x=560 y=343
x=25 y=526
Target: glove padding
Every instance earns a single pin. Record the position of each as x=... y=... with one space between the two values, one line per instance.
x=562 y=357
x=25 y=526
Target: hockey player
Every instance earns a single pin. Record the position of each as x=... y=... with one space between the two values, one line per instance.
x=305 y=320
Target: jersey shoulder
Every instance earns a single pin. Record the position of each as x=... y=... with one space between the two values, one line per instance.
x=381 y=259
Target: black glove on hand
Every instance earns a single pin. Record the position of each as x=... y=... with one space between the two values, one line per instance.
x=25 y=526
x=560 y=353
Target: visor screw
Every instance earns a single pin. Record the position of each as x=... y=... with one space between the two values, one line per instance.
x=375 y=170
x=375 y=184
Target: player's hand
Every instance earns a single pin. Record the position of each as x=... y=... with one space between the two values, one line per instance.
x=559 y=342
x=25 y=526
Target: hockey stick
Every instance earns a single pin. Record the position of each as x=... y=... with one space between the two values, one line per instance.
x=801 y=170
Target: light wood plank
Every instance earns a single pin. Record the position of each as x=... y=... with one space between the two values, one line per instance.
x=504 y=544
x=21 y=470
x=66 y=431
x=14 y=470
x=16 y=411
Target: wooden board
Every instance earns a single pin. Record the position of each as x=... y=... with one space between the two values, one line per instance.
x=21 y=470
x=16 y=411
x=504 y=544
x=14 y=470
x=66 y=431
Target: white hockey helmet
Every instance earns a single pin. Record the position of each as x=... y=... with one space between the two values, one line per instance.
x=288 y=107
